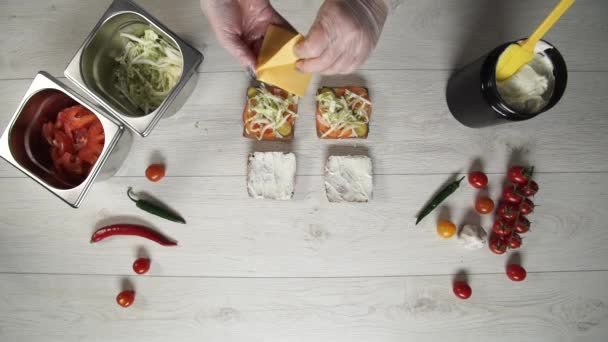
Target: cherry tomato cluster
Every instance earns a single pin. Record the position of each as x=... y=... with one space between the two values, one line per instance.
x=511 y=214
x=127 y=297
x=510 y=220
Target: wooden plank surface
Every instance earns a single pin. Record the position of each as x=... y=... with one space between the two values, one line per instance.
x=555 y=307
x=229 y=234
x=412 y=130
x=308 y=270
x=422 y=34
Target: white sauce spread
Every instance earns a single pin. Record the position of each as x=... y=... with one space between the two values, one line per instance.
x=472 y=237
x=529 y=90
x=271 y=175
x=348 y=179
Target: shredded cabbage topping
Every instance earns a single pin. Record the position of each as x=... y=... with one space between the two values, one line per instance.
x=270 y=111
x=148 y=69
x=341 y=113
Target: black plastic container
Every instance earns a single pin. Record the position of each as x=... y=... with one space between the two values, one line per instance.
x=473 y=96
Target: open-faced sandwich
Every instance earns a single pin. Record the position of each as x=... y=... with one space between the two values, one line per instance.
x=270 y=113
x=271 y=175
x=348 y=179
x=343 y=112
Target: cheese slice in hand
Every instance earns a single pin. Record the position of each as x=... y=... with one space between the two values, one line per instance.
x=277 y=61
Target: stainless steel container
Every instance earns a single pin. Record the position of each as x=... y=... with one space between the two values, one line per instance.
x=23 y=146
x=92 y=68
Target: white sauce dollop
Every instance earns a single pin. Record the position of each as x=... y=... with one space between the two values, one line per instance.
x=530 y=89
x=271 y=175
x=472 y=237
x=348 y=179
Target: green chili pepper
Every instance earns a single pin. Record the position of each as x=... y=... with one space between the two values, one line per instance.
x=440 y=197
x=155 y=209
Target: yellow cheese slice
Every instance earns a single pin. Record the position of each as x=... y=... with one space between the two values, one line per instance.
x=277 y=61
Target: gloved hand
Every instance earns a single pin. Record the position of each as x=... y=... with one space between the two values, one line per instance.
x=240 y=25
x=343 y=36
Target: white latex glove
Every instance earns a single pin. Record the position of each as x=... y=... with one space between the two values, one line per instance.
x=240 y=25
x=343 y=35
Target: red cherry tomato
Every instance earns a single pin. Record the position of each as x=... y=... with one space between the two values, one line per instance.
x=518 y=174
x=155 y=172
x=498 y=244
x=514 y=241
x=523 y=225
x=478 y=179
x=516 y=272
x=527 y=207
x=511 y=195
x=507 y=211
x=125 y=298
x=484 y=205
x=502 y=227
x=462 y=290
x=528 y=189
x=141 y=265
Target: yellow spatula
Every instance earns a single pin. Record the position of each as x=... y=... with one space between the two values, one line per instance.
x=518 y=55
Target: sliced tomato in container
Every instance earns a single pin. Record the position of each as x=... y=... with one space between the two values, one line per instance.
x=80 y=137
x=82 y=120
x=76 y=140
x=71 y=164
x=88 y=155
x=48 y=130
x=62 y=142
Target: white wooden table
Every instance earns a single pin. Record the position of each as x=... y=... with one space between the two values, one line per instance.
x=306 y=270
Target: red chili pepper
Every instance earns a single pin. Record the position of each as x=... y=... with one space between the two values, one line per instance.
x=131 y=229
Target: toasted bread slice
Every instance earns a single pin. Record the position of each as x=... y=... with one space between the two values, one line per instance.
x=256 y=131
x=271 y=175
x=348 y=179
x=360 y=132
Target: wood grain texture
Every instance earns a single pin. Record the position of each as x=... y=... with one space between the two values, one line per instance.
x=422 y=34
x=555 y=307
x=308 y=270
x=229 y=234
x=412 y=131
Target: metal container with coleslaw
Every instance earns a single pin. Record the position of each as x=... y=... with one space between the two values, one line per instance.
x=135 y=67
x=136 y=71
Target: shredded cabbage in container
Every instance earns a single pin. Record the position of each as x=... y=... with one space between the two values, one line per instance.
x=148 y=69
x=343 y=112
x=270 y=111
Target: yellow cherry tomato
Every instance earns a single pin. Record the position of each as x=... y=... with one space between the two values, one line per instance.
x=446 y=229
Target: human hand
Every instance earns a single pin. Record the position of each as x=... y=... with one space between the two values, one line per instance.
x=240 y=25
x=342 y=37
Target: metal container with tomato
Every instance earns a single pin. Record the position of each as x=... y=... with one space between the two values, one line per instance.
x=23 y=143
x=66 y=142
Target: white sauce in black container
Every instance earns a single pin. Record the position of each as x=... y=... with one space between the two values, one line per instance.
x=474 y=98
